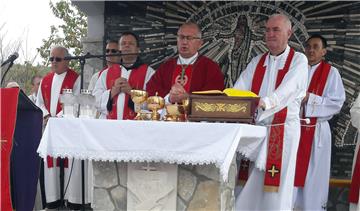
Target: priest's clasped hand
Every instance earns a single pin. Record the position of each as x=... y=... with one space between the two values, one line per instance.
x=120 y=85
x=177 y=93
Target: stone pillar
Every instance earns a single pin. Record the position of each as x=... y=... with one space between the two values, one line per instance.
x=95 y=47
x=93 y=43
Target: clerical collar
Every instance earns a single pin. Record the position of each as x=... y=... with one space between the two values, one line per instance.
x=275 y=57
x=191 y=60
x=137 y=64
x=61 y=74
x=315 y=64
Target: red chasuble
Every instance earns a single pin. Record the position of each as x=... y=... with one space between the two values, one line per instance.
x=276 y=137
x=9 y=102
x=355 y=182
x=136 y=81
x=203 y=75
x=68 y=83
x=317 y=85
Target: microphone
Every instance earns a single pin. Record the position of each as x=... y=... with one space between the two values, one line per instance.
x=11 y=58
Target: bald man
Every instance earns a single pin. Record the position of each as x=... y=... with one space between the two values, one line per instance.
x=279 y=77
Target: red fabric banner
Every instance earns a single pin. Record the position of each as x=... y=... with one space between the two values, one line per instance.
x=9 y=102
x=317 y=85
x=355 y=183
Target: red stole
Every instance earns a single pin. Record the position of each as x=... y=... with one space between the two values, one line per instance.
x=317 y=85
x=106 y=67
x=276 y=137
x=68 y=83
x=9 y=103
x=186 y=81
x=355 y=183
x=136 y=81
x=46 y=84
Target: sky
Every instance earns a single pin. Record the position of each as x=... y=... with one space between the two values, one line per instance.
x=26 y=22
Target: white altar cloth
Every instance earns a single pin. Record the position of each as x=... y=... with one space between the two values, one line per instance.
x=138 y=141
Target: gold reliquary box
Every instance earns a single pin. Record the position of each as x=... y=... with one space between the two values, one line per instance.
x=220 y=107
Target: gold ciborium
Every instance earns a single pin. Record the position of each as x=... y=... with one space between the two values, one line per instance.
x=138 y=97
x=154 y=103
x=174 y=112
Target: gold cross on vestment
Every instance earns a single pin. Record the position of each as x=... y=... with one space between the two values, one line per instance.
x=273 y=171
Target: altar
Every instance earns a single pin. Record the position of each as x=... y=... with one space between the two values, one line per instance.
x=197 y=160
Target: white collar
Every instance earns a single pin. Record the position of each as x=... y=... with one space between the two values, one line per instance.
x=285 y=52
x=315 y=65
x=191 y=60
x=61 y=75
x=279 y=59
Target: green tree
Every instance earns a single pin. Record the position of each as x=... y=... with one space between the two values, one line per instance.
x=22 y=74
x=68 y=34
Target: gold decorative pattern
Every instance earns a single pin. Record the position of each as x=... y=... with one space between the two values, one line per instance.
x=218 y=107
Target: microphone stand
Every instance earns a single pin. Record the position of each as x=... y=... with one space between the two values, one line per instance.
x=82 y=61
x=6 y=71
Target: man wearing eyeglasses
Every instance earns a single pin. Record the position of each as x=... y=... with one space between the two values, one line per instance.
x=112 y=90
x=188 y=72
x=111 y=48
x=61 y=77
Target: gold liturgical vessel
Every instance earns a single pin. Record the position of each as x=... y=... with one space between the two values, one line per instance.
x=177 y=112
x=138 y=97
x=174 y=112
x=155 y=103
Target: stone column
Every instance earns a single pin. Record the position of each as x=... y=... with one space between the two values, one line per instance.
x=95 y=47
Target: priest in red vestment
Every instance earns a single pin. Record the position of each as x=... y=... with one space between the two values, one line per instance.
x=188 y=72
x=112 y=90
x=112 y=47
x=279 y=77
x=325 y=97
x=61 y=77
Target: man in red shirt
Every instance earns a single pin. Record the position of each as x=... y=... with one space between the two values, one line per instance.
x=190 y=71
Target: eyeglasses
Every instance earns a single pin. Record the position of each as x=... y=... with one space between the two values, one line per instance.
x=111 y=50
x=188 y=38
x=56 y=59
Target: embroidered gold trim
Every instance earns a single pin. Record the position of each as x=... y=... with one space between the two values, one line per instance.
x=217 y=107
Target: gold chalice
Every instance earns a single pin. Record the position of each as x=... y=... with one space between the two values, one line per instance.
x=155 y=103
x=138 y=97
x=186 y=106
x=174 y=112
